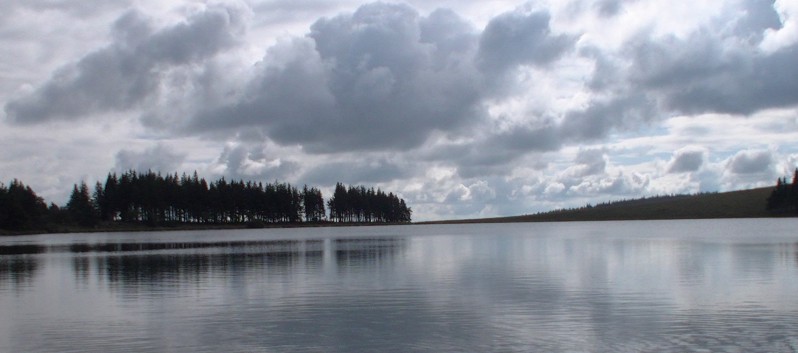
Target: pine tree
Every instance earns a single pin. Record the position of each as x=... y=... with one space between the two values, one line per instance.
x=21 y=208
x=794 y=191
x=80 y=206
x=5 y=207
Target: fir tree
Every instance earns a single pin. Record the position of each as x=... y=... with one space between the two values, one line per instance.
x=80 y=206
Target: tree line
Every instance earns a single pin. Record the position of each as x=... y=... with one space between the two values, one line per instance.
x=20 y=207
x=784 y=197
x=358 y=204
x=153 y=199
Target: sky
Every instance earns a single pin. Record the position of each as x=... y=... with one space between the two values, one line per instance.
x=463 y=108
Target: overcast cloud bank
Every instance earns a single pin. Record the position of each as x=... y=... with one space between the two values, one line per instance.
x=539 y=107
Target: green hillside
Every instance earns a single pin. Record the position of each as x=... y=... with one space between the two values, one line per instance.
x=734 y=204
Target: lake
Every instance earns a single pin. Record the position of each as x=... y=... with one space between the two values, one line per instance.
x=646 y=286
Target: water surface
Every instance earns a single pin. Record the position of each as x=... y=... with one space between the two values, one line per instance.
x=664 y=286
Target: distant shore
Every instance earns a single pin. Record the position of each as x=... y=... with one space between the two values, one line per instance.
x=137 y=227
x=734 y=204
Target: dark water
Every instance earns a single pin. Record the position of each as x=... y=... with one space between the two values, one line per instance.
x=672 y=286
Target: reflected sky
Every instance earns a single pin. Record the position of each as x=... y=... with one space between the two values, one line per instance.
x=608 y=287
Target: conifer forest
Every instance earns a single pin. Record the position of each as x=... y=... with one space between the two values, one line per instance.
x=149 y=198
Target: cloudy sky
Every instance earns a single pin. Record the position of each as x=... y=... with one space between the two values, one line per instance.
x=464 y=108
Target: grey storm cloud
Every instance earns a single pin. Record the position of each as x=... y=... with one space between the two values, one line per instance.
x=517 y=38
x=491 y=154
x=356 y=172
x=687 y=160
x=540 y=137
x=762 y=81
x=707 y=71
x=606 y=73
x=588 y=165
x=591 y=162
x=386 y=77
x=608 y=8
x=602 y=116
x=760 y=16
x=77 y=8
x=718 y=71
x=381 y=78
x=271 y=12
x=750 y=162
x=124 y=74
x=157 y=158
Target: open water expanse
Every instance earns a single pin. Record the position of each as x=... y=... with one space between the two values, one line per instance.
x=646 y=286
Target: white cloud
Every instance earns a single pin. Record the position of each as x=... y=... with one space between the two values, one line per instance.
x=778 y=38
x=464 y=108
x=252 y=162
x=554 y=188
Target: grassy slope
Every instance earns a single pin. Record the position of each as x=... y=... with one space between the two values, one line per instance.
x=735 y=204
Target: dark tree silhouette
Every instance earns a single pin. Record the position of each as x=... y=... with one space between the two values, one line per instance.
x=154 y=199
x=20 y=207
x=784 y=197
x=358 y=204
x=313 y=204
x=80 y=207
x=794 y=191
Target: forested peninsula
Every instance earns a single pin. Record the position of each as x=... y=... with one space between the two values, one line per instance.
x=147 y=200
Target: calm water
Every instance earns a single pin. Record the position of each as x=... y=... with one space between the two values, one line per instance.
x=671 y=286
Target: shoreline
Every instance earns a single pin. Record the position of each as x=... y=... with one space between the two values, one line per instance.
x=749 y=203
x=521 y=219
x=727 y=205
x=134 y=228
x=492 y=220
